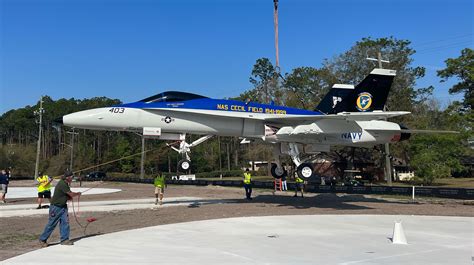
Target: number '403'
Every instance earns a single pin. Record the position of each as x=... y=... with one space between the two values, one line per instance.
x=117 y=110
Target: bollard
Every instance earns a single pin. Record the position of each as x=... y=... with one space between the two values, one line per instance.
x=398 y=236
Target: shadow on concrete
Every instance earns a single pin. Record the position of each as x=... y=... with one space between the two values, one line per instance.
x=319 y=201
x=324 y=200
x=75 y=239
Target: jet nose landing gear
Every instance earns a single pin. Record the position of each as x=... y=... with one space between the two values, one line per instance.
x=184 y=149
x=184 y=165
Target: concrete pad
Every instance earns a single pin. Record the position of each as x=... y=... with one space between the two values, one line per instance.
x=316 y=239
x=32 y=192
x=97 y=206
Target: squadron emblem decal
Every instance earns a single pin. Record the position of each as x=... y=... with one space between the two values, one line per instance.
x=364 y=101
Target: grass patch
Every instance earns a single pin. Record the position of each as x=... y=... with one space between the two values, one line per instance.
x=444 y=182
x=13 y=239
x=455 y=182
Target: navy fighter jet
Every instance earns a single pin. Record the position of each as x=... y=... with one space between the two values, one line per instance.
x=347 y=116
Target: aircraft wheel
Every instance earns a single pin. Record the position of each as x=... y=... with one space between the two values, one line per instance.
x=278 y=172
x=305 y=171
x=184 y=165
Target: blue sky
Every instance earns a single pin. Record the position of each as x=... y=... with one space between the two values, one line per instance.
x=131 y=49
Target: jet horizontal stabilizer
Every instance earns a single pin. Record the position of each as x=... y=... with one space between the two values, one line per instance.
x=427 y=131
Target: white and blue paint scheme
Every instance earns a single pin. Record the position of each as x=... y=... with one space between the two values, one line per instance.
x=347 y=116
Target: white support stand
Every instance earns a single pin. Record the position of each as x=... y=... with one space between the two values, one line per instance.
x=398 y=236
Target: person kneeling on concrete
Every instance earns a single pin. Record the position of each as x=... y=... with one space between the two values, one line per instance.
x=160 y=185
x=58 y=211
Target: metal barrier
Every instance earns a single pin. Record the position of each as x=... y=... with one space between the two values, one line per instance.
x=453 y=193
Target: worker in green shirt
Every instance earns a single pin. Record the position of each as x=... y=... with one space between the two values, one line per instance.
x=160 y=185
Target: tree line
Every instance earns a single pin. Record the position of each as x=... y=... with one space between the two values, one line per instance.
x=430 y=155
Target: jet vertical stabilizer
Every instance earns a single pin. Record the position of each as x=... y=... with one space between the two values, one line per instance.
x=369 y=95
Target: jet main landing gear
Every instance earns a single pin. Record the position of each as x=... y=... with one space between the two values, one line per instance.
x=278 y=172
x=305 y=171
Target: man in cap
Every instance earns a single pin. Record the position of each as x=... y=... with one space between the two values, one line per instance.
x=58 y=211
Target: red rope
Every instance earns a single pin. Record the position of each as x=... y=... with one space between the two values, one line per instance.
x=89 y=220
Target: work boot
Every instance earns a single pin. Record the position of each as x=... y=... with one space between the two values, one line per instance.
x=39 y=207
x=67 y=242
x=43 y=244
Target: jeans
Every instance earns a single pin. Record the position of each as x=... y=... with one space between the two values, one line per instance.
x=57 y=214
x=283 y=185
x=248 y=190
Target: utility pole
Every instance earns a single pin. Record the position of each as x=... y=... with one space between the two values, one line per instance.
x=72 y=133
x=142 y=162
x=228 y=156
x=169 y=162
x=275 y=25
x=39 y=112
x=388 y=166
x=277 y=64
x=220 y=158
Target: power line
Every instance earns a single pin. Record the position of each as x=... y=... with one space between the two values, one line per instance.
x=443 y=40
x=444 y=47
x=443 y=44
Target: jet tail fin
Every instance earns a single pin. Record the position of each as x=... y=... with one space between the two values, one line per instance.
x=335 y=96
x=369 y=95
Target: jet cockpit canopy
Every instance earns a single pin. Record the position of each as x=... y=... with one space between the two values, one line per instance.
x=171 y=96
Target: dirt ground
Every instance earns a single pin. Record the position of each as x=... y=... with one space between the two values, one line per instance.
x=20 y=234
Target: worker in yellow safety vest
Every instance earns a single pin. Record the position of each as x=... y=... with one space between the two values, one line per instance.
x=160 y=185
x=299 y=185
x=248 y=184
x=44 y=189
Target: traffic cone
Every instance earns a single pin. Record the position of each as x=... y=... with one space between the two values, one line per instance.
x=398 y=236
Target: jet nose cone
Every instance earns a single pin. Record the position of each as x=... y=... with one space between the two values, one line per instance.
x=59 y=120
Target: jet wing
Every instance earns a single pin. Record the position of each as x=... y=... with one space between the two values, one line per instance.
x=350 y=116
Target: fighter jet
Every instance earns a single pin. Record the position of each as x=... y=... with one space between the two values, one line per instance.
x=347 y=116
